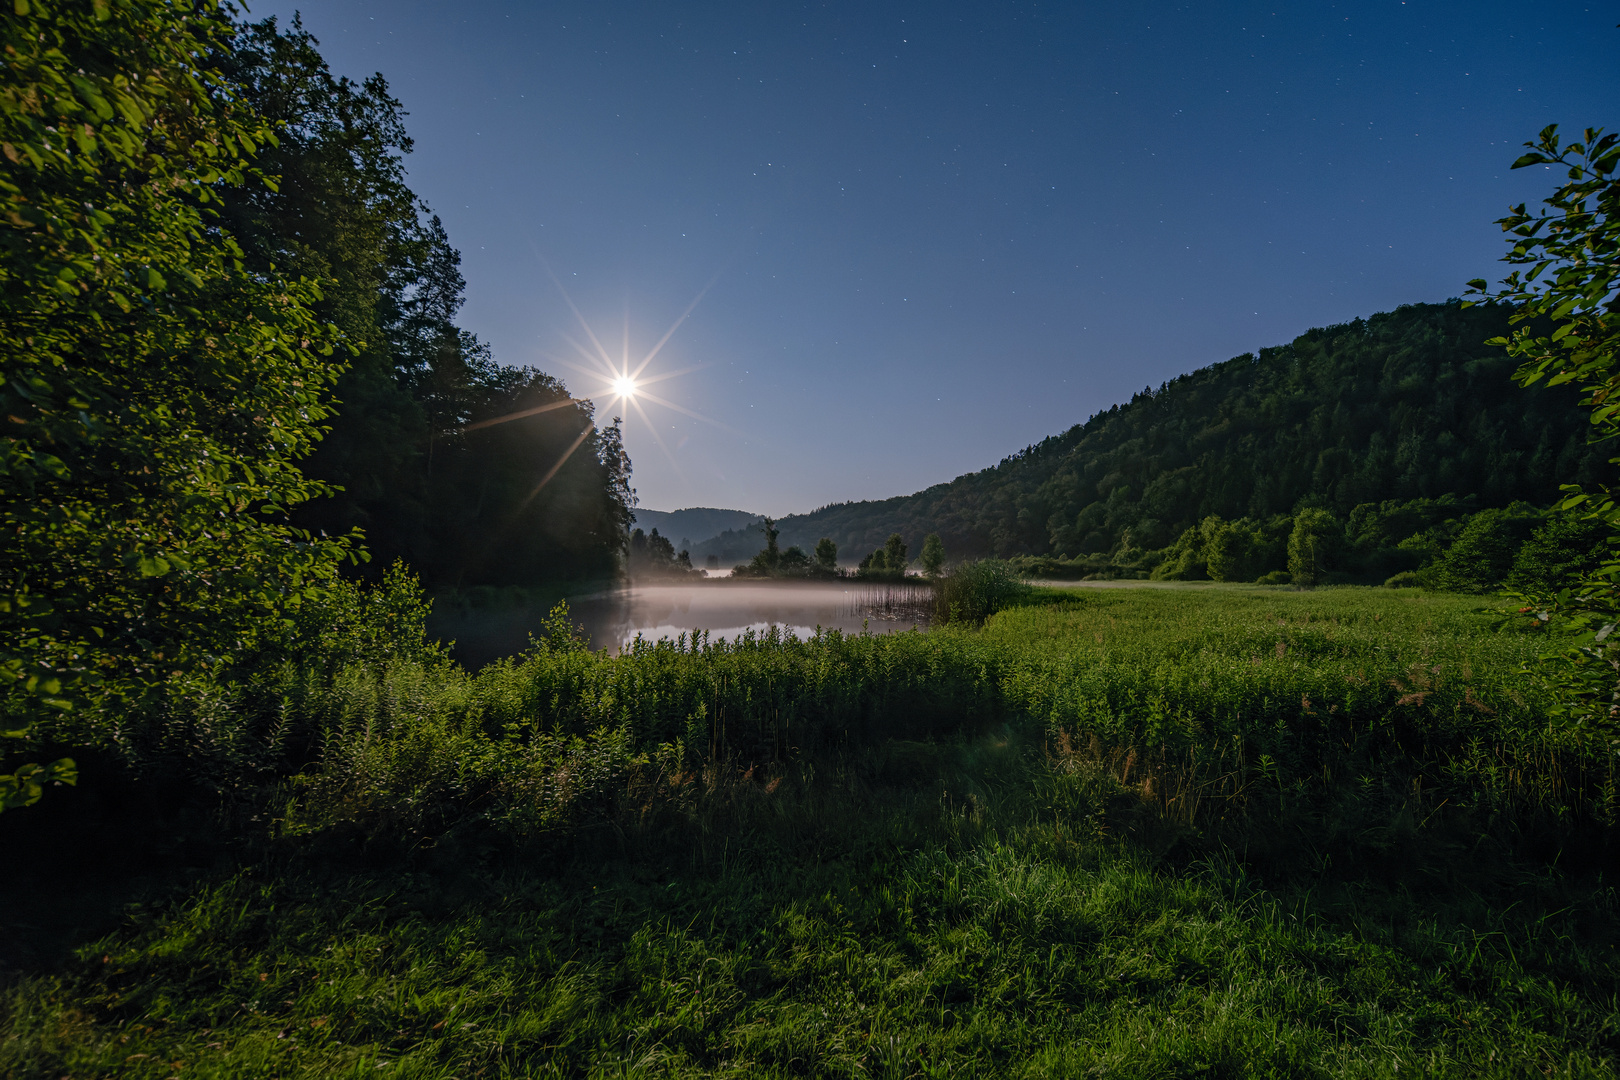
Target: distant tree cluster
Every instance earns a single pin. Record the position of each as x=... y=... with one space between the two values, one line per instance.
x=772 y=562
x=1443 y=543
x=1406 y=405
x=652 y=555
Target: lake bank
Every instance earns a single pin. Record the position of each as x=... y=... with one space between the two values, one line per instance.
x=610 y=618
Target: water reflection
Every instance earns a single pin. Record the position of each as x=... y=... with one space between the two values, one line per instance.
x=724 y=608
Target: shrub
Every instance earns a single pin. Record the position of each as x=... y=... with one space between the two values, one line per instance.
x=973 y=592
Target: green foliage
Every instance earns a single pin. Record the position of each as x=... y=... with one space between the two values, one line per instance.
x=1566 y=324
x=26 y=785
x=1406 y=405
x=352 y=623
x=1485 y=551
x=1566 y=547
x=972 y=592
x=1314 y=547
x=772 y=562
x=652 y=555
x=933 y=555
x=894 y=552
x=1178 y=828
x=771 y=554
x=1229 y=551
x=1436 y=542
x=157 y=393
x=1567 y=330
x=887 y=563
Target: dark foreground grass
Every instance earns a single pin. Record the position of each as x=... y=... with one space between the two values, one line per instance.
x=1024 y=899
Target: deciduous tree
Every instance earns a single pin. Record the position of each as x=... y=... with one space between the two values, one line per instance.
x=157 y=394
x=1567 y=330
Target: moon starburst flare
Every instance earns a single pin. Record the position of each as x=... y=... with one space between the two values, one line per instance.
x=625 y=382
x=621 y=383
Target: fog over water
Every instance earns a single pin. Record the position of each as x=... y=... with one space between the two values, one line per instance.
x=725 y=609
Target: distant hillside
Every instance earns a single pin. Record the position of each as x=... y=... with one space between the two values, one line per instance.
x=732 y=546
x=1402 y=405
x=692 y=525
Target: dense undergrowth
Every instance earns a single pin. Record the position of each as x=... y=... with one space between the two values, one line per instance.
x=1198 y=831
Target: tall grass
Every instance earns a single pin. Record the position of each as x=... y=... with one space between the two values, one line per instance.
x=971 y=592
x=1221 y=832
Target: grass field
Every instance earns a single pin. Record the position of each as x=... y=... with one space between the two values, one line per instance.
x=1196 y=832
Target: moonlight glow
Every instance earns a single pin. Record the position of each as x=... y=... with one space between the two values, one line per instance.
x=626 y=382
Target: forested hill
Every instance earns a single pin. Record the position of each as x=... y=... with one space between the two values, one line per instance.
x=1406 y=404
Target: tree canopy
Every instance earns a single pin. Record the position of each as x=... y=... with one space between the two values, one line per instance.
x=426 y=465
x=158 y=392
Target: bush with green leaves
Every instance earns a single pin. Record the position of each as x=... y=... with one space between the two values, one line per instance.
x=933 y=555
x=972 y=592
x=1566 y=317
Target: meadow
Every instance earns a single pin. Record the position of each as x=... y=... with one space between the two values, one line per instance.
x=1206 y=831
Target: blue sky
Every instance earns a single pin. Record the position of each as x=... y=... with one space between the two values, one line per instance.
x=932 y=234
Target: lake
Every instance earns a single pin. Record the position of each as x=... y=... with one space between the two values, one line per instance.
x=723 y=607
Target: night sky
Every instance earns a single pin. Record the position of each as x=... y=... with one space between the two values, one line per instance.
x=937 y=233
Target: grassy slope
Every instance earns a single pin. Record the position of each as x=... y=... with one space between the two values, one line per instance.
x=1154 y=868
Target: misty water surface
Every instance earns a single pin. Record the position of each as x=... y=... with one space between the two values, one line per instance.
x=726 y=609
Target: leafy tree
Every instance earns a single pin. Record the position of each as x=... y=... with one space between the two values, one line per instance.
x=340 y=211
x=158 y=393
x=1567 y=330
x=764 y=564
x=1229 y=551
x=933 y=555
x=1481 y=556
x=1565 y=548
x=1185 y=559
x=1313 y=546
x=653 y=555
x=894 y=553
x=826 y=554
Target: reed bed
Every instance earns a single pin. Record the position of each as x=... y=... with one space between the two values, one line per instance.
x=913 y=603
